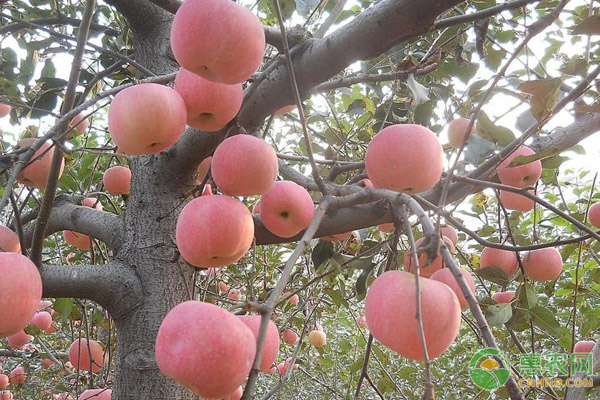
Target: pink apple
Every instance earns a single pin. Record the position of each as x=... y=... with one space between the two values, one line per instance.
x=543 y=264
x=594 y=215
x=285 y=109
x=235 y=395
x=503 y=297
x=93 y=203
x=583 y=346
x=35 y=174
x=271 y=345
x=77 y=239
x=457 y=131
x=42 y=320
x=516 y=201
x=203 y=169
x=450 y=233
x=522 y=175
x=3 y=381
x=96 y=394
x=436 y=264
x=18 y=375
x=4 y=110
x=80 y=124
x=117 y=180
x=18 y=340
x=9 y=241
x=506 y=260
x=446 y=276
x=290 y=337
x=86 y=355
x=286 y=209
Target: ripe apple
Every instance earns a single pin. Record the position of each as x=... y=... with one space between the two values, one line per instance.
x=4 y=110
x=387 y=227
x=436 y=264
x=80 y=124
x=271 y=345
x=223 y=287
x=93 y=203
x=362 y=321
x=450 y=233
x=543 y=264
x=42 y=320
x=516 y=201
x=390 y=309
x=522 y=175
x=205 y=348
x=9 y=241
x=62 y=396
x=317 y=338
x=51 y=329
x=96 y=394
x=210 y=105
x=84 y=351
x=406 y=158
x=289 y=336
x=218 y=40
x=203 y=169
x=594 y=215
x=244 y=165
x=18 y=340
x=3 y=381
x=234 y=294
x=457 y=130
x=20 y=292
x=214 y=231
x=146 y=118
x=18 y=375
x=117 y=180
x=235 y=395
x=503 y=297
x=446 y=276
x=282 y=367
x=6 y=395
x=286 y=209
x=77 y=239
x=35 y=174
x=506 y=260
x=285 y=109
x=583 y=346
x=294 y=299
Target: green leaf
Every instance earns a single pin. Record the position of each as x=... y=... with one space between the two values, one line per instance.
x=498 y=314
x=589 y=26
x=527 y=296
x=493 y=274
x=545 y=319
x=495 y=134
x=63 y=307
x=322 y=252
x=544 y=93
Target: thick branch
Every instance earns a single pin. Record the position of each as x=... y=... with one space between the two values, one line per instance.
x=479 y=15
x=60 y=21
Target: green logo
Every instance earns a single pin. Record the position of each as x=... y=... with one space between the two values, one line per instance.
x=485 y=370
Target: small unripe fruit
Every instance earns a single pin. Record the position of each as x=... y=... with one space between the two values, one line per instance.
x=446 y=276
x=505 y=260
x=317 y=338
x=521 y=175
x=84 y=352
x=457 y=130
x=543 y=264
x=35 y=174
x=271 y=345
x=504 y=297
x=9 y=240
x=286 y=209
x=594 y=215
x=289 y=336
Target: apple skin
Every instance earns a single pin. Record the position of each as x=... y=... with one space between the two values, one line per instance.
x=193 y=343
x=286 y=209
x=457 y=130
x=42 y=320
x=80 y=352
x=282 y=367
x=218 y=40
x=504 y=297
x=294 y=299
x=210 y=105
x=543 y=265
x=317 y=338
x=20 y=292
x=234 y=294
x=235 y=395
x=584 y=346
x=285 y=109
x=18 y=375
x=77 y=239
x=244 y=165
x=271 y=345
x=522 y=175
x=594 y=215
x=214 y=231
x=35 y=174
x=450 y=233
x=506 y=260
x=203 y=169
x=96 y=394
x=446 y=276
x=9 y=240
x=390 y=309
x=93 y=203
x=362 y=321
x=3 y=381
x=516 y=201
x=405 y=158
x=4 y=110
x=146 y=118
x=289 y=336
x=80 y=124
x=387 y=227
x=18 y=340
x=436 y=265
x=117 y=180
x=6 y=395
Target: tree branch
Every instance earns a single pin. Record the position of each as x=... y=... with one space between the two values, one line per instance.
x=62 y=20
x=479 y=15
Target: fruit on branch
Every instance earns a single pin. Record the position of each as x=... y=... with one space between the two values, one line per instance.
x=84 y=351
x=235 y=395
x=450 y=233
x=117 y=180
x=504 y=297
x=256 y=208
x=435 y=265
x=47 y=363
x=234 y=294
x=79 y=125
x=203 y=169
x=543 y=264
x=505 y=260
x=516 y=201
x=146 y=118
x=391 y=307
x=457 y=131
x=4 y=110
x=218 y=40
x=35 y=174
x=92 y=203
x=317 y=338
x=362 y=321
x=18 y=375
x=522 y=175
x=294 y=299
x=594 y=215
x=282 y=367
x=63 y=396
x=18 y=340
x=290 y=337
x=42 y=320
x=223 y=287
x=205 y=348
x=6 y=395
x=9 y=241
x=214 y=231
x=583 y=346
x=286 y=209
x=77 y=239
x=20 y=292
x=3 y=381
x=445 y=275
x=244 y=165
x=96 y=394
x=271 y=344
x=387 y=227
x=285 y=109
x=406 y=158
x=210 y=105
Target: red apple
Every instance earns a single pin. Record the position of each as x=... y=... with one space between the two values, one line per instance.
x=117 y=180
x=594 y=215
x=290 y=337
x=77 y=239
x=203 y=169
x=214 y=231
x=42 y=320
x=503 y=297
x=450 y=233
x=446 y=276
x=285 y=109
x=35 y=174
x=583 y=346
x=286 y=209
x=84 y=352
x=522 y=175
x=218 y=40
x=271 y=345
x=234 y=294
x=3 y=381
x=4 y=110
x=93 y=203
x=9 y=241
x=205 y=348
x=80 y=124
x=406 y=158
x=244 y=165
x=387 y=227
x=436 y=264
x=146 y=118
x=543 y=264
x=235 y=395
x=505 y=260
x=96 y=394
x=457 y=130
x=516 y=201
x=18 y=375
x=317 y=338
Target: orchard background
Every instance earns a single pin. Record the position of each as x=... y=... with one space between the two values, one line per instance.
x=524 y=71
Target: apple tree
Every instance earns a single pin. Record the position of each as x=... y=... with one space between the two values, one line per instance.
x=296 y=199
